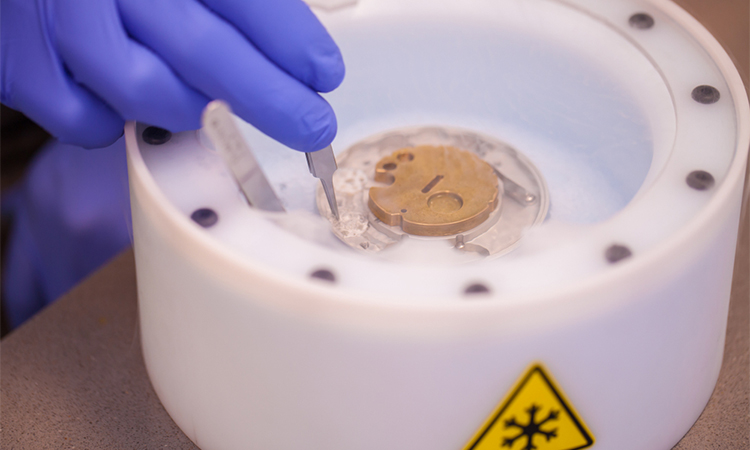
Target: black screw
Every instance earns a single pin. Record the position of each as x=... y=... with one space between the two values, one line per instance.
x=706 y=94
x=700 y=180
x=616 y=253
x=477 y=288
x=642 y=21
x=156 y=135
x=324 y=274
x=205 y=217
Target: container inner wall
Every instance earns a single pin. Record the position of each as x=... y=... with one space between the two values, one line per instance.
x=591 y=117
x=575 y=94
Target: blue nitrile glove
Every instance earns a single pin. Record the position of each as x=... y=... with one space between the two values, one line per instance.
x=80 y=68
x=69 y=215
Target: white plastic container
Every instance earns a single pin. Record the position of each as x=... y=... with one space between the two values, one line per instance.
x=245 y=350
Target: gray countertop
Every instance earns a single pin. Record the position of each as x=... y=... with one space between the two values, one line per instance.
x=73 y=376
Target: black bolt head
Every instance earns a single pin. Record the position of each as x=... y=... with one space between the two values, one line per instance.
x=156 y=135
x=706 y=94
x=477 y=288
x=205 y=217
x=641 y=21
x=324 y=274
x=616 y=253
x=700 y=180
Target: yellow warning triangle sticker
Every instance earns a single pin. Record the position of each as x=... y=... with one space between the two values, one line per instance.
x=534 y=415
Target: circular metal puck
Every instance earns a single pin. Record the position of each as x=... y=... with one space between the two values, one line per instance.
x=436 y=183
x=435 y=191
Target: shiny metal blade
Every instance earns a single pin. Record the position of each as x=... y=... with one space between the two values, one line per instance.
x=219 y=126
x=331 y=196
x=322 y=164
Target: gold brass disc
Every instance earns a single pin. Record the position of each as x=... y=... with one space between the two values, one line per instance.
x=434 y=191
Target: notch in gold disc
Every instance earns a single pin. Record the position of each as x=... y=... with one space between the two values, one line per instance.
x=434 y=191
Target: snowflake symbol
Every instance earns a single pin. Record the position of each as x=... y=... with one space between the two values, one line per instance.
x=531 y=429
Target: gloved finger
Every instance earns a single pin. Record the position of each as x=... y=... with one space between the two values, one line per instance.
x=129 y=77
x=35 y=82
x=220 y=62
x=290 y=35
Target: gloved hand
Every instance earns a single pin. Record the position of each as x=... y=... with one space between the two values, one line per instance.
x=80 y=68
x=69 y=215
